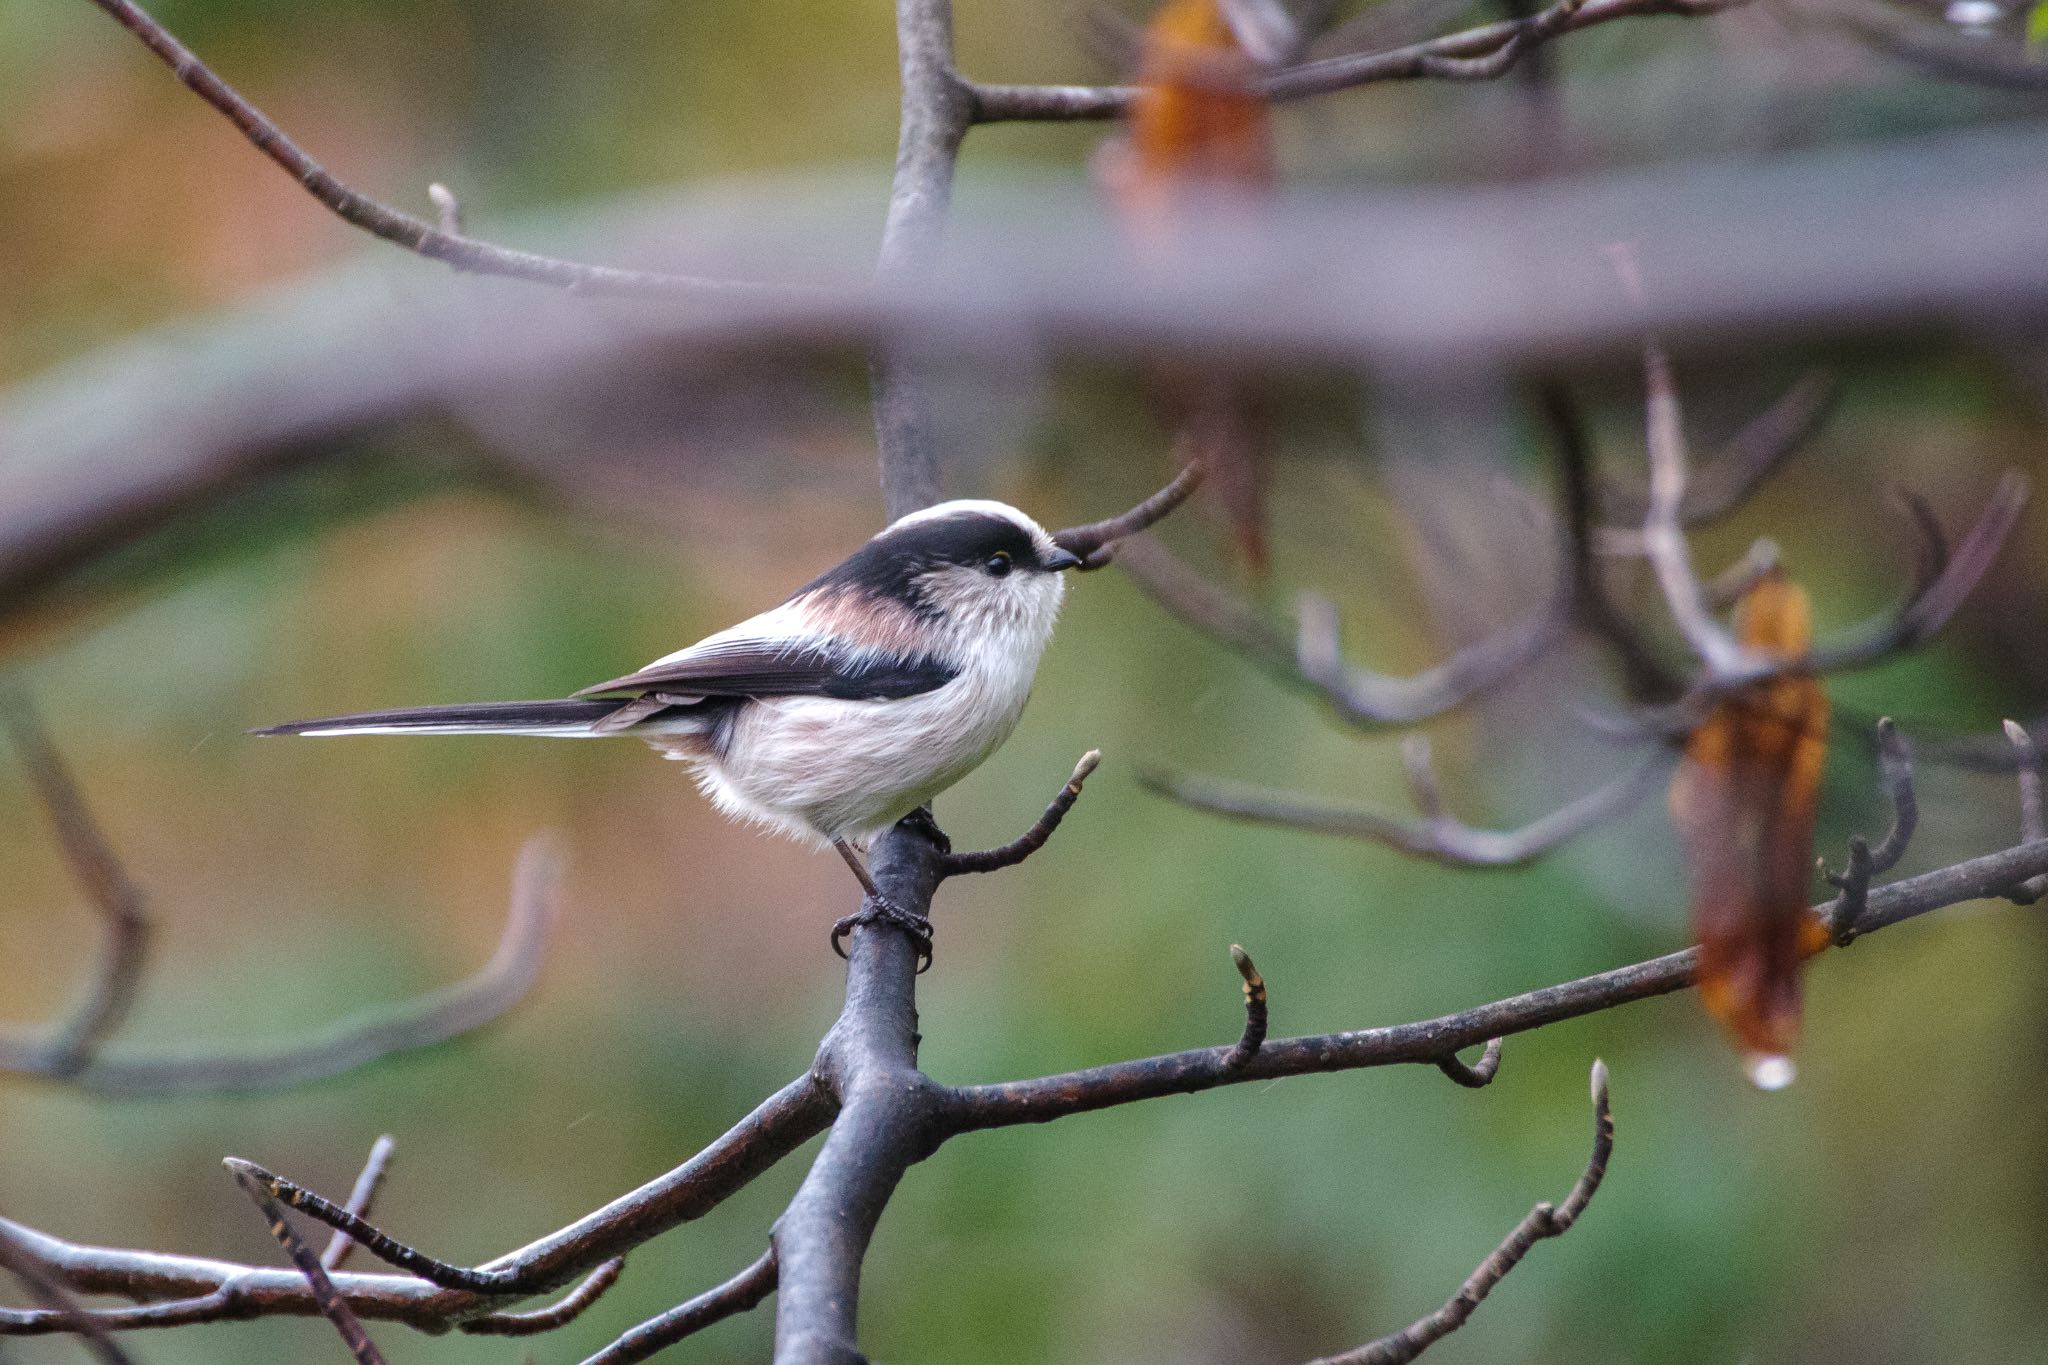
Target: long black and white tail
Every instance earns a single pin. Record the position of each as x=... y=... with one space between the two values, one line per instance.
x=578 y=719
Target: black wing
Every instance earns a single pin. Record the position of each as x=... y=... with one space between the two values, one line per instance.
x=746 y=667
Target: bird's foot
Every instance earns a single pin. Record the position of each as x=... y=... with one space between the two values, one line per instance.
x=882 y=910
x=924 y=822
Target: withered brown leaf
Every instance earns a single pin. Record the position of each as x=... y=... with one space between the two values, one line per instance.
x=1744 y=801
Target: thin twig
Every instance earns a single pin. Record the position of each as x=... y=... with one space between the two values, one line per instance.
x=415 y=234
x=2027 y=767
x=361 y=1200
x=110 y=993
x=48 y=1287
x=1096 y=542
x=423 y=1022
x=1031 y=840
x=373 y=1239
x=1895 y=776
x=1046 y=1098
x=1315 y=662
x=1478 y=1075
x=333 y=1306
x=559 y=1314
x=1439 y=836
x=738 y=1294
x=1254 y=1036
x=1541 y=1222
x=1472 y=54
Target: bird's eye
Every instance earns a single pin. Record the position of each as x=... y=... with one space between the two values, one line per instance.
x=997 y=564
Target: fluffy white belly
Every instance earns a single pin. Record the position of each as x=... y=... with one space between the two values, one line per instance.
x=819 y=767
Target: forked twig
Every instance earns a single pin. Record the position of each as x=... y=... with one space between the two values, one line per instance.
x=361 y=1200
x=1477 y=1075
x=1314 y=660
x=444 y=243
x=558 y=1314
x=1543 y=1221
x=1895 y=776
x=110 y=993
x=1439 y=836
x=333 y=1306
x=47 y=1286
x=2027 y=768
x=423 y=1022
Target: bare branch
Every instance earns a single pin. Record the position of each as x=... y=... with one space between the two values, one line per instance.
x=2027 y=766
x=1481 y=53
x=1479 y=1074
x=1541 y=1222
x=1097 y=542
x=561 y=1314
x=110 y=994
x=19 y=1260
x=190 y=1289
x=393 y=225
x=738 y=1294
x=1740 y=467
x=332 y=1305
x=424 y=1022
x=1439 y=836
x=1663 y=533
x=1254 y=1036
x=1360 y=696
x=1179 y=1073
x=1895 y=776
x=361 y=1199
x=1031 y=840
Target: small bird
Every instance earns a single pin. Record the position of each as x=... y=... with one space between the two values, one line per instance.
x=870 y=690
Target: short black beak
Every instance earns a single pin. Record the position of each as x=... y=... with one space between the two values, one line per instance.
x=1053 y=560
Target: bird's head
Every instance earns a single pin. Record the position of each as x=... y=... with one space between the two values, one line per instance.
x=969 y=568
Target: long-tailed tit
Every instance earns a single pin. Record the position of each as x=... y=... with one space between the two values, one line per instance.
x=872 y=689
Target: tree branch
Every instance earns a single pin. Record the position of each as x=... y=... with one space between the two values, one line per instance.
x=110 y=993
x=1541 y=1222
x=737 y=1295
x=394 y=225
x=1097 y=542
x=1053 y=1097
x=1439 y=836
x=1031 y=840
x=1482 y=53
x=326 y=1297
x=409 y=1026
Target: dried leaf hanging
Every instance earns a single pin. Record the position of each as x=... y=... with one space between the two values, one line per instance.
x=1199 y=129
x=1744 y=802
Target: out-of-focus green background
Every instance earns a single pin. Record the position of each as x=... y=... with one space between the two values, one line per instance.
x=1889 y=1207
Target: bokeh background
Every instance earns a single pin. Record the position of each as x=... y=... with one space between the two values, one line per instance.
x=524 y=541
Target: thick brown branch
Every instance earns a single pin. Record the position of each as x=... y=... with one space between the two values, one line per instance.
x=1180 y=1073
x=110 y=994
x=1031 y=840
x=1545 y=1220
x=738 y=1294
x=424 y=1022
x=394 y=225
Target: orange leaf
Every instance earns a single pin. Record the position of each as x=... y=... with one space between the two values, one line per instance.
x=1199 y=127
x=1744 y=801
